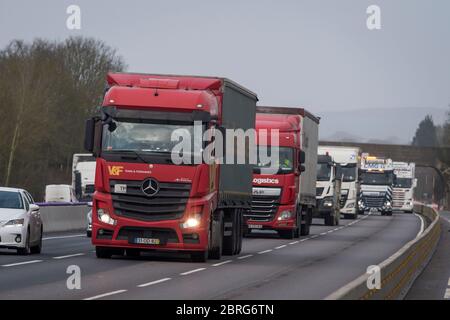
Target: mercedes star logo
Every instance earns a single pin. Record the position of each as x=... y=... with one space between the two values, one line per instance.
x=150 y=187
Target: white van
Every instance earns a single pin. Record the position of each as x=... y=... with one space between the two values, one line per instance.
x=59 y=193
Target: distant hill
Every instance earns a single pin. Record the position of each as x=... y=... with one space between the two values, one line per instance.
x=383 y=125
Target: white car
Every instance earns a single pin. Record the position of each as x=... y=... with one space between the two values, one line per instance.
x=21 y=225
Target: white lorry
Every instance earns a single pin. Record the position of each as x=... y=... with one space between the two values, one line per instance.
x=349 y=160
x=328 y=190
x=83 y=175
x=376 y=183
x=405 y=182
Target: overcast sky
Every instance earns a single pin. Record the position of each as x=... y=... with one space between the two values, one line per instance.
x=316 y=53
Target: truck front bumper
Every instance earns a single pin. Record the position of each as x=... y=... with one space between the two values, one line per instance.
x=279 y=222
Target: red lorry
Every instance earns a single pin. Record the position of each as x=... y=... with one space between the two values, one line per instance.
x=142 y=200
x=284 y=199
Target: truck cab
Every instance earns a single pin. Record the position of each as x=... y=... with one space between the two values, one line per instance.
x=144 y=199
x=349 y=160
x=405 y=182
x=284 y=192
x=376 y=181
x=328 y=190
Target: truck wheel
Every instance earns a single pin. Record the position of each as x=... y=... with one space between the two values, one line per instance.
x=199 y=256
x=304 y=228
x=389 y=213
x=330 y=220
x=216 y=233
x=232 y=234
x=103 y=253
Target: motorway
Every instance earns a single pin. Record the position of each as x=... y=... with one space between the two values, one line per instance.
x=311 y=267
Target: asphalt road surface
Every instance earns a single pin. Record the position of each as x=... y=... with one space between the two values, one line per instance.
x=434 y=282
x=311 y=267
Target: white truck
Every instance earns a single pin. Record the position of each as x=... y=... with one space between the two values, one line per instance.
x=328 y=190
x=405 y=182
x=349 y=160
x=376 y=185
x=83 y=175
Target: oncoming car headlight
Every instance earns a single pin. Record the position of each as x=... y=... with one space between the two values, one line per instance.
x=15 y=223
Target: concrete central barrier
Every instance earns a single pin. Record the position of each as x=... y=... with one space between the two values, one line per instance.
x=399 y=271
x=64 y=217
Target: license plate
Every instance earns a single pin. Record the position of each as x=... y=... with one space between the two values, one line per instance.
x=255 y=226
x=146 y=241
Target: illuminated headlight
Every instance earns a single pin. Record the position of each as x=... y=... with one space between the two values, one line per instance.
x=14 y=223
x=328 y=203
x=103 y=216
x=285 y=215
x=192 y=222
x=387 y=204
x=361 y=204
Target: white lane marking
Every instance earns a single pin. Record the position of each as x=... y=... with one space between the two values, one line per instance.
x=304 y=239
x=191 y=271
x=69 y=256
x=65 y=237
x=21 y=263
x=222 y=263
x=293 y=242
x=245 y=257
x=154 y=282
x=106 y=294
x=448 y=283
x=323 y=233
x=265 y=251
x=280 y=247
x=314 y=236
x=447 y=293
x=422 y=224
x=330 y=231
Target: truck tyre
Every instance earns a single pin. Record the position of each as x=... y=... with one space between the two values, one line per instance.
x=103 y=253
x=199 y=256
x=330 y=220
x=216 y=233
x=305 y=227
x=232 y=234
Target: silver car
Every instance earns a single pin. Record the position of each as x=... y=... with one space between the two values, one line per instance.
x=21 y=226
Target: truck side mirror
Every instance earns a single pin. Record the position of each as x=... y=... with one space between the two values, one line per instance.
x=301 y=157
x=301 y=168
x=89 y=134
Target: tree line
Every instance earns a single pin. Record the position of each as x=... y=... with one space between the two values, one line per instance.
x=47 y=91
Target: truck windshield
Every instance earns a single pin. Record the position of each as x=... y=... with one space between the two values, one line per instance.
x=142 y=137
x=385 y=178
x=323 y=171
x=403 y=183
x=349 y=172
x=285 y=163
x=10 y=200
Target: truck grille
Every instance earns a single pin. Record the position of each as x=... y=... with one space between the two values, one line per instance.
x=168 y=204
x=319 y=191
x=343 y=200
x=263 y=208
x=398 y=199
x=373 y=202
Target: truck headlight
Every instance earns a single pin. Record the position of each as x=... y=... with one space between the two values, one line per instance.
x=192 y=222
x=388 y=204
x=328 y=203
x=285 y=215
x=361 y=204
x=103 y=216
x=351 y=205
x=14 y=223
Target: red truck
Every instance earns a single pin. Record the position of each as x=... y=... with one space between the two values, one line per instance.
x=142 y=200
x=285 y=199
